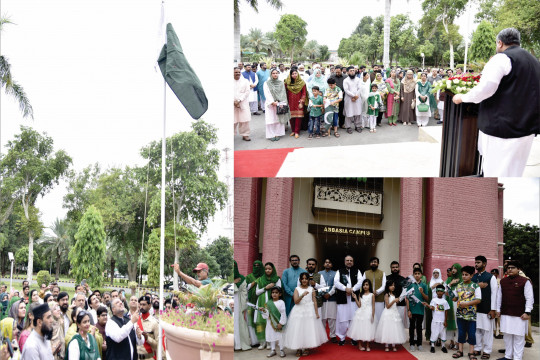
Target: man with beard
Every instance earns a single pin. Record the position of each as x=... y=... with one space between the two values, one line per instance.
x=378 y=281
x=150 y=329
x=122 y=337
x=289 y=280
x=398 y=281
x=55 y=291
x=63 y=302
x=486 y=310
x=374 y=72
x=338 y=76
x=262 y=75
x=26 y=291
x=38 y=344
x=316 y=281
x=329 y=307
x=353 y=89
x=242 y=115
x=346 y=281
x=251 y=77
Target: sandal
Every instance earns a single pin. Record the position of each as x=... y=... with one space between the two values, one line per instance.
x=457 y=354
x=349 y=131
x=292 y=134
x=296 y=136
x=471 y=356
x=298 y=352
x=305 y=352
x=336 y=134
x=325 y=134
x=484 y=356
x=310 y=137
x=317 y=136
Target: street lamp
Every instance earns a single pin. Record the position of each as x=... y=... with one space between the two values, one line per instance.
x=12 y=260
x=422 y=55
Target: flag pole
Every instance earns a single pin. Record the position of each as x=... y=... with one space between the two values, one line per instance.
x=162 y=237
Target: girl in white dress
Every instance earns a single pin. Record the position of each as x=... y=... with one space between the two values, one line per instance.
x=363 y=324
x=275 y=316
x=304 y=330
x=390 y=329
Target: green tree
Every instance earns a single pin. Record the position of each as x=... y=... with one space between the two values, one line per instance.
x=57 y=245
x=364 y=27
x=33 y=168
x=403 y=40
x=311 y=49
x=153 y=254
x=256 y=40
x=487 y=11
x=254 y=4
x=324 y=54
x=13 y=88
x=522 y=15
x=291 y=33
x=483 y=42
x=88 y=253
x=222 y=251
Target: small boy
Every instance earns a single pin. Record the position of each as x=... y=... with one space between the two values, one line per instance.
x=440 y=308
x=373 y=102
x=415 y=309
x=276 y=319
x=467 y=295
x=334 y=95
x=315 y=114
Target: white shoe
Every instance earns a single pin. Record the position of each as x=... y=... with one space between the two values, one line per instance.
x=413 y=348
x=281 y=353
x=420 y=348
x=262 y=346
x=272 y=353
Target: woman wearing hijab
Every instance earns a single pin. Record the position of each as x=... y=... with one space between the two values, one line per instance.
x=241 y=333
x=8 y=328
x=264 y=292
x=383 y=92
x=274 y=91
x=57 y=341
x=297 y=98
x=451 y=325
x=392 y=102
x=257 y=272
x=435 y=280
x=318 y=80
x=17 y=311
x=423 y=88
x=408 y=95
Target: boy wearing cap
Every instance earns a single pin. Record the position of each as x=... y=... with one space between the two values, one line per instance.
x=202 y=275
x=440 y=308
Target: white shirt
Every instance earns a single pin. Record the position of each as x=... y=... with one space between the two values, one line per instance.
x=73 y=350
x=66 y=323
x=440 y=306
x=497 y=67
x=338 y=285
x=118 y=334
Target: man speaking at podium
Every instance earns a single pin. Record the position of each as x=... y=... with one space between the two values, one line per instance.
x=509 y=115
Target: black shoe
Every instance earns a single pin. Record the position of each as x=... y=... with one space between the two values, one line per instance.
x=443 y=349
x=256 y=113
x=334 y=340
x=503 y=358
x=432 y=350
x=502 y=351
x=528 y=344
x=498 y=336
x=341 y=342
x=354 y=342
x=359 y=130
x=439 y=122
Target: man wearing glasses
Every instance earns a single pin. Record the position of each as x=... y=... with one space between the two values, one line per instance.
x=202 y=275
x=122 y=334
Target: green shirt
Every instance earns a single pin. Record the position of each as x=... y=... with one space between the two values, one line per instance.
x=206 y=282
x=467 y=292
x=316 y=111
x=417 y=308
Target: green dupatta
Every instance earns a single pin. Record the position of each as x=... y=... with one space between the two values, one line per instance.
x=262 y=282
x=238 y=275
x=451 y=321
x=86 y=352
x=257 y=272
x=273 y=315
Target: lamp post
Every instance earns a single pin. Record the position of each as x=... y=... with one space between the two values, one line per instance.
x=12 y=260
x=422 y=55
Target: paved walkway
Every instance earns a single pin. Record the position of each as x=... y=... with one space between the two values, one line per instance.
x=531 y=353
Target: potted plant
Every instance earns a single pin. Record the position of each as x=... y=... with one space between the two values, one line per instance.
x=198 y=326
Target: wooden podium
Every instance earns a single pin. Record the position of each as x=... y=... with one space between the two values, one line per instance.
x=459 y=154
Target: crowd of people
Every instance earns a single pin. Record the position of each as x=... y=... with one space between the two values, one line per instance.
x=468 y=307
x=47 y=324
x=322 y=99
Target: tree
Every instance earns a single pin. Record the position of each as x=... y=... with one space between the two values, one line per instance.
x=483 y=42
x=56 y=246
x=311 y=49
x=32 y=165
x=12 y=88
x=222 y=250
x=291 y=33
x=364 y=27
x=487 y=11
x=386 y=52
x=443 y=12
x=256 y=40
x=153 y=254
x=522 y=15
x=276 y=4
x=324 y=54
x=88 y=253
x=403 y=41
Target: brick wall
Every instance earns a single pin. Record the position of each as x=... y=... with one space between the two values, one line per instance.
x=501 y=232
x=278 y=222
x=410 y=224
x=246 y=222
x=463 y=220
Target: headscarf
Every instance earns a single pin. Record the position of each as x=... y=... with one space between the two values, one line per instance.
x=457 y=275
x=6 y=327
x=451 y=321
x=256 y=273
x=435 y=281
x=276 y=87
x=381 y=85
x=4 y=309
x=318 y=81
x=14 y=310
x=86 y=352
x=296 y=86
x=262 y=282
x=408 y=84
x=238 y=275
x=424 y=89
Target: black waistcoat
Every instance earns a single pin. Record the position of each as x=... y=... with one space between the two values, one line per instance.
x=514 y=110
x=341 y=296
x=485 y=304
x=121 y=350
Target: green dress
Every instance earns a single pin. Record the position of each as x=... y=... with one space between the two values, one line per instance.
x=87 y=352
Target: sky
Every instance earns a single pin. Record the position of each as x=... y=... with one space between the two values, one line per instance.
x=88 y=68
x=318 y=14
x=521 y=200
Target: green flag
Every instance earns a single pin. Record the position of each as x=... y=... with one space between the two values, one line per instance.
x=180 y=76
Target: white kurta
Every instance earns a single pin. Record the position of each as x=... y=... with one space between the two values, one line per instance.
x=252 y=93
x=241 y=93
x=273 y=126
x=482 y=320
x=270 y=333
x=259 y=292
x=513 y=324
x=345 y=312
x=353 y=87
x=329 y=308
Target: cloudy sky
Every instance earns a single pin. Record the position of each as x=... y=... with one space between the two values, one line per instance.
x=330 y=21
x=88 y=70
x=521 y=200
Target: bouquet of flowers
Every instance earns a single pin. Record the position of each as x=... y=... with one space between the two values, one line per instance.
x=456 y=84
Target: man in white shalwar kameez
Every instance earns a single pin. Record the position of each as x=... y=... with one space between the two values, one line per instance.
x=354 y=95
x=346 y=281
x=514 y=304
x=253 y=82
x=242 y=115
x=329 y=307
x=508 y=93
x=485 y=311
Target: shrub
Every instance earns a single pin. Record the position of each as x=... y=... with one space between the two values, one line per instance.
x=43 y=277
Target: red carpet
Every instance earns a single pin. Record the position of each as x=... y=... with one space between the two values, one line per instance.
x=259 y=163
x=331 y=351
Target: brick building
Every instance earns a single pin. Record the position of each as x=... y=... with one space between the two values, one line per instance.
x=433 y=221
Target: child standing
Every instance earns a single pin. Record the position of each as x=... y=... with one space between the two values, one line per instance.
x=373 y=101
x=305 y=330
x=363 y=324
x=440 y=308
x=390 y=328
x=276 y=318
x=415 y=309
x=467 y=295
x=334 y=95
x=316 y=103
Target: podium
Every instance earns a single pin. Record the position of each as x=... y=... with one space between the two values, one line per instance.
x=459 y=154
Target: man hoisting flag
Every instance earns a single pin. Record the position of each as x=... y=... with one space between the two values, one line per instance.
x=180 y=76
